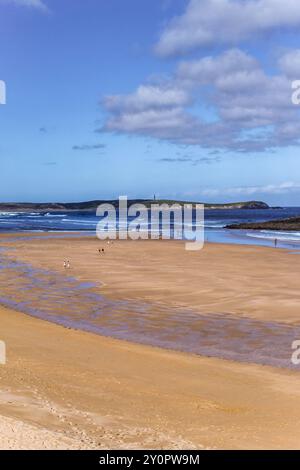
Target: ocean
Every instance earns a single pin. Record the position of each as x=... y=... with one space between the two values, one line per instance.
x=215 y=222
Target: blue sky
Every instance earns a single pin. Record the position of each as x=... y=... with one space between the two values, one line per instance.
x=188 y=99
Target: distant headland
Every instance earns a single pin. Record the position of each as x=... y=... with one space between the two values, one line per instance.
x=92 y=205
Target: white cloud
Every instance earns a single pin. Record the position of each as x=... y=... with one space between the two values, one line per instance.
x=252 y=110
x=232 y=69
x=210 y=22
x=153 y=120
x=27 y=3
x=281 y=188
x=147 y=96
x=289 y=63
x=210 y=67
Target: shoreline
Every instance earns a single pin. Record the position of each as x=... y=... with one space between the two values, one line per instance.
x=222 y=237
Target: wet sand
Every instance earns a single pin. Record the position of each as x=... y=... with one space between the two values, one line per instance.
x=251 y=281
x=98 y=392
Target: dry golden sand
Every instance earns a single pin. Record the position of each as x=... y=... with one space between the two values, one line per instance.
x=66 y=388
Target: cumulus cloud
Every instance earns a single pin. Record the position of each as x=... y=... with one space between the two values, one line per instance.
x=38 y=4
x=161 y=123
x=210 y=22
x=147 y=96
x=289 y=63
x=252 y=110
x=232 y=63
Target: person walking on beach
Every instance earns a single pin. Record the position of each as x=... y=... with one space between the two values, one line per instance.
x=65 y=264
x=68 y=264
x=275 y=242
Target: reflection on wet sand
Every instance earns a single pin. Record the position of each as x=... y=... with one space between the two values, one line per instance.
x=67 y=301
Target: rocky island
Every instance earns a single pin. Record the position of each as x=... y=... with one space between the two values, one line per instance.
x=290 y=224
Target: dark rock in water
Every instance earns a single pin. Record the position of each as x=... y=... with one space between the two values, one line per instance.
x=290 y=224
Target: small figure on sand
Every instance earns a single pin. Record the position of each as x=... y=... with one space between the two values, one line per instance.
x=101 y=250
x=275 y=242
x=65 y=264
x=68 y=264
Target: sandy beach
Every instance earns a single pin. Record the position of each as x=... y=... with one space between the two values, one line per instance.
x=65 y=388
x=249 y=281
